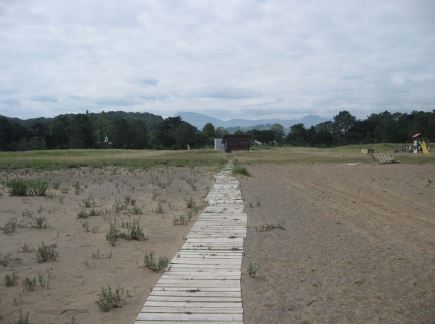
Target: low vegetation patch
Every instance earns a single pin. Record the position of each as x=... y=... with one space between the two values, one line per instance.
x=46 y=253
x=108 y=299
x=10 y=226
x=253 y=269
x=23 y=319
x=268 y=227
x=24 y=187
x=10 y=280
x=153 y=264
x=239 y=169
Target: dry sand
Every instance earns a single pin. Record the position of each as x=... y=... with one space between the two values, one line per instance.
x=358 y=244
x=78 y=273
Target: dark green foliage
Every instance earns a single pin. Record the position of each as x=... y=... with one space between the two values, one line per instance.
x=18 y=187
x=23 y=187
x=10 y=280
x=108 y=299
x=253 y=269
x=46 y=253
x=240 y=170
x=29 y=284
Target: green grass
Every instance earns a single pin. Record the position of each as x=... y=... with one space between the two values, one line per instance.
x=240 y=170
x=340 y=154
x=63 y=159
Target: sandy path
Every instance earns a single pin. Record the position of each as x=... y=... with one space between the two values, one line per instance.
x=359 y=244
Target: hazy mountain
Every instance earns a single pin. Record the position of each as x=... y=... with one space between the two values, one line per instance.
x=199 y=120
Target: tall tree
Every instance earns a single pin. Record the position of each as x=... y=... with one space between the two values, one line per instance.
x=82 y=133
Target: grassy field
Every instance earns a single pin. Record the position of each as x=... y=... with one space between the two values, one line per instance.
x=341 y=154
x=63 y=159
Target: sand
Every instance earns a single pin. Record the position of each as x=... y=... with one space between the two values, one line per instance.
x=86 y=261
x=358 y=244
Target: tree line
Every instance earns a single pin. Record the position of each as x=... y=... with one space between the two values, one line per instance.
x=346 y=129
x=145 y=130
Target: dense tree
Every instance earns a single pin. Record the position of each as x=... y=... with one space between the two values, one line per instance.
x=82 y=133
x=278 y=131
x=209 y=130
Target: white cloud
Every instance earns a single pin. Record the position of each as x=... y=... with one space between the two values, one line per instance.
x=231 y=58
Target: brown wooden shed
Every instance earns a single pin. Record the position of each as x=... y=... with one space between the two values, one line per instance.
x=237 y=143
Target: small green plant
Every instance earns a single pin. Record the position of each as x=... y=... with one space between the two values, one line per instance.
x=22 y=187
x=10 y=280
x=269 y=227
x=5 y=259
x=190 y=203
x=239 y=169
x=23 y=319
x=82 y=214
x=10 y=226
x=29 y=284
x=112 y=234
x=38 y=187
x=18 y=187
x=180 y=220
x=136 y=210
x=39 y=222
x=253 y=269
x=151 y=263
x=46 y=253
x=135 y=231
x=107 y=299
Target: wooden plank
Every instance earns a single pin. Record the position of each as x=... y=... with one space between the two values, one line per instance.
x=190 y=299
x=189 y=317
x=192 y=304
x=209 y=310
x=196 y=293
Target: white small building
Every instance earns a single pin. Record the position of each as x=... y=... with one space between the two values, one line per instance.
x=218 y=145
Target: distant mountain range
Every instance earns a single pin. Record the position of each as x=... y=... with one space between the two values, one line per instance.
x=199 y=120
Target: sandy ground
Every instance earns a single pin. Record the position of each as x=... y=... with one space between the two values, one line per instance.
x=86 y=261
x=358 y=244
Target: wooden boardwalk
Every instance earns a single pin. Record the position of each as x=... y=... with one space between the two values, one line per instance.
x=202 y=283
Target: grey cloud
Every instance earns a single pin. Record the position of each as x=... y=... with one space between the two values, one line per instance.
x=225 y=93
x=43 y=98
x=235 y=58
x=149 y=82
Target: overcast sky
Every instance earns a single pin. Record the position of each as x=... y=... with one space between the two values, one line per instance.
x=247 y=58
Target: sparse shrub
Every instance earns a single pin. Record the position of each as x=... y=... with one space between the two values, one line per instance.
x=38 y=187
x=45 y=281
x=136 y=210
x=82 y=214
x=136 y=232
x=253 y=269
x=89 y=202
x=10 y=280
x=29 y=284
x=112 y=234
x=10 y=226
x=18 y=187
x=23 y=319
x=55 y=184
x=22 y=187
x=180 y=220
x=163 y=262
x=5 y=259
x=268 y=227
x=190 y=203
x=46 y=253
x=107 y=299
x=239 y=169
x=151 y=263
x=39 y=222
